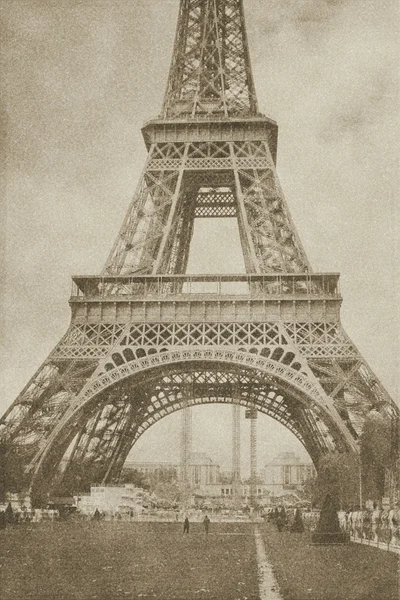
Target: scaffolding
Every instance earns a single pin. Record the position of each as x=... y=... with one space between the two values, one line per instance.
x=236 y=481
x=186 y=449
x=251 y=414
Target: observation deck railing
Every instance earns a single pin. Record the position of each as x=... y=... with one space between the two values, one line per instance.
x=180 y=287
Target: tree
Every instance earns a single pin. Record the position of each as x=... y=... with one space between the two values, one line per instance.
x=169 y=491
x=338 y=477
x=375 y=454
x=12 y=473
x=78 y=478
x=298 y=525
x=162 y=475
x=310 y=490
x=328 y=530
x=135 y=477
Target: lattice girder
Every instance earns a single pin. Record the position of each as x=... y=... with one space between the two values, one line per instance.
x=210 y=72
x=353 y=386
x=42 y=404
x=155 y=236
x=320 y=425
x=291 y=350
x=215 y=202
x=122 y=413
x=137 y=245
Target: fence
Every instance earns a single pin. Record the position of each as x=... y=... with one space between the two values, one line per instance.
x=378 y=528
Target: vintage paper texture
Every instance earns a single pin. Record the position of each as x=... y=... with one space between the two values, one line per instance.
x=78 y=81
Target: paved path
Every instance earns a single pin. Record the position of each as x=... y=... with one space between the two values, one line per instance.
x=266 y=580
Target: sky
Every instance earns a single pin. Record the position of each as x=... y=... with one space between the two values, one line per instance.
x=80 y=77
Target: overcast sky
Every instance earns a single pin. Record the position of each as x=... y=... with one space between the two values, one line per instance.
x=79 y=77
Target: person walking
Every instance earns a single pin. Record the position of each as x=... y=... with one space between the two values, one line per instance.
x=206 y=522
x=96 y=516
x=9 y=514
x=297 y=526
x=281 y=519
x=186 y=525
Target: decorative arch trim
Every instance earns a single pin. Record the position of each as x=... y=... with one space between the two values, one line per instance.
x=283 y=372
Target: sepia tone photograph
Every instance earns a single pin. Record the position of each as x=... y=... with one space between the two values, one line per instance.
x=199 y=384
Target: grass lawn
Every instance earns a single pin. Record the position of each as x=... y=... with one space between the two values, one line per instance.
x=350 y=572
x=111 y=561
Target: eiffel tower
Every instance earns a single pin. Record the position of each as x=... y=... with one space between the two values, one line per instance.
x=146 y=339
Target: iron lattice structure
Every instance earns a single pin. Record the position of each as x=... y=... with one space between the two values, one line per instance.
x=186 y=449
x=146 y=340
x=251 y=414
x=236 y=480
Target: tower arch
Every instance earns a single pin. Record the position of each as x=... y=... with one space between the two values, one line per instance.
x=118 y=406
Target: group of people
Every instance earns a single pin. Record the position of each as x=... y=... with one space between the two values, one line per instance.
x=289 y=521
x=6 y=517
x=10 y=516
x=206 y=524
x=283 y=519
x=375 y=524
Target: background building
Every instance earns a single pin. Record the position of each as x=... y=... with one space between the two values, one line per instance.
x=203 y=471
x=284 y=475
x=112 y=499
x=287 y=472
x=158 y=470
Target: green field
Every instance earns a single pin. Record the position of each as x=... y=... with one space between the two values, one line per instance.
x=115 y=560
